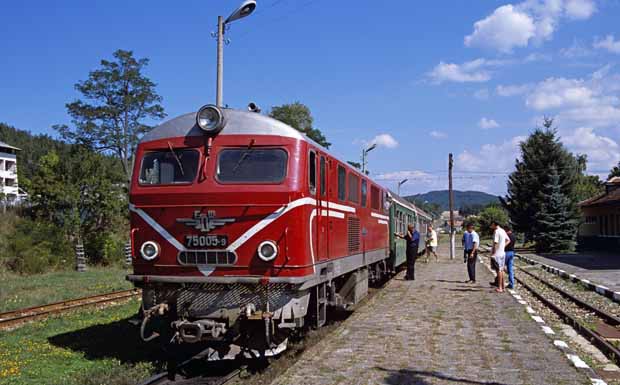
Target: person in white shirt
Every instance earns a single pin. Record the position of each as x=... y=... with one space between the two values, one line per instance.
x=500 y=241
x=431 y=243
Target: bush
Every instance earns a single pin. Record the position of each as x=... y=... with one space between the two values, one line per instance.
x=34 y=247
x=489 y=215
x=105 y=248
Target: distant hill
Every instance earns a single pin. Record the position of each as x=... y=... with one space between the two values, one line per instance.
x=461 y=198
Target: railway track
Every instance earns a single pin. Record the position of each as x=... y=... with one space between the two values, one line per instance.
x=14 y=318
x=592 y=323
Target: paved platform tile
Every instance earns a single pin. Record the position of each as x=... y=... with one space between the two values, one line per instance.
x=436 y=330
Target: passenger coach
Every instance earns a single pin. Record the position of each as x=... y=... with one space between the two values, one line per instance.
x=242 y=229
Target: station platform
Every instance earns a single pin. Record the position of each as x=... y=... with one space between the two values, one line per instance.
x=436 y=330
x=602 y=268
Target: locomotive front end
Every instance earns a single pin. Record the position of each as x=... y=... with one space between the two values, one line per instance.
x=215 y=229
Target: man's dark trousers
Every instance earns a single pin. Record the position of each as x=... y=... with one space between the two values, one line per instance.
x=412 y=255
x=472 y=258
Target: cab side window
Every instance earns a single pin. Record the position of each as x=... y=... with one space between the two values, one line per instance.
x=312 y=172
x=323 y=177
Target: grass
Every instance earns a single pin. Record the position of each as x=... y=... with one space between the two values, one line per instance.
x=98 y=346
x=20 y=291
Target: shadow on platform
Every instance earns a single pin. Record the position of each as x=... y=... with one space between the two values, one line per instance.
x=421 y=377
x=592 y=260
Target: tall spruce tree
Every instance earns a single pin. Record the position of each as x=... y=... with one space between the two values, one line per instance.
x=556 y=222
x=541 y=152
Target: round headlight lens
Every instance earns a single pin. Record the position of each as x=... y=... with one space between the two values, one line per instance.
x=267 y=251
x=210 y=119
x=149 y=250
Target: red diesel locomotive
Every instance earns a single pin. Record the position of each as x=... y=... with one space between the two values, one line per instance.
x=242 y=229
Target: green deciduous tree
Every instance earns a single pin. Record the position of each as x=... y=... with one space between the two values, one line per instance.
x=119 y=101
x=490 y=214
x=298 y=116
x=556 y=222
x=587 y=186
x=541 y=152
x=82 y=194
x=615 y=171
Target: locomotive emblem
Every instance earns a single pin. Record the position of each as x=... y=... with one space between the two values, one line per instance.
x=205 y=222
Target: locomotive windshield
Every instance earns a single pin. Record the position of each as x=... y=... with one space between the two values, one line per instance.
x=169 y=167
x=252 y=165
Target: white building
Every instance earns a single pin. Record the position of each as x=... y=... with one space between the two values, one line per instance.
x=8 y=173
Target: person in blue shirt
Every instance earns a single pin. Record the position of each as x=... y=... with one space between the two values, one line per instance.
x=413 y=241
x=471 y=241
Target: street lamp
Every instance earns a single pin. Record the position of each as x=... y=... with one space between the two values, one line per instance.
x=245 y=9
x=364 y=152
x=402 y=182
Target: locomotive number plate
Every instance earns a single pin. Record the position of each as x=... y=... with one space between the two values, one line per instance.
x=216 y=241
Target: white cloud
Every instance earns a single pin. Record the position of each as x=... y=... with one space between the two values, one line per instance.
x=592 y=102
x=609 y=43
x=472 y=71
x=485 y=123
x=384 y=140
x=511 y=26
x=400 y=175
x=494 y=157
x=503 y=30
x=438 y=134
x=580 y=9
x=460 y=73
x=482 y=94
x=576 y=50
x=512 y=90
x=602 y=152
x=559 y=92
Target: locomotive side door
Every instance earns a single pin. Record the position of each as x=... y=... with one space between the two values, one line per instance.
x=323 y=217
x=317 y=178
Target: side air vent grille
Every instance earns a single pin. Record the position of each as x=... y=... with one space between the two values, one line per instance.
x=353 y=225
x=207 y=257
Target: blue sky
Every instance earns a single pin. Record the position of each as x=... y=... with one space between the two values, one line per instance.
x=421 y=79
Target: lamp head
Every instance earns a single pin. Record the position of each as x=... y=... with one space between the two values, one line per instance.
x=245 y=9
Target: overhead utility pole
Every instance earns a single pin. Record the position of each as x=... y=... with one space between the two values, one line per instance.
x=451 y=199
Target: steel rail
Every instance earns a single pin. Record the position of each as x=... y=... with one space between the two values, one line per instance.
x=608 y=317
x=35 y=312
x=162 y=378
x=597 y=340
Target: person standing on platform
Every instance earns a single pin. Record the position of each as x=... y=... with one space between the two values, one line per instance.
x=413 y=241
x=500 y=240
x=471 y=240
x=431 y=243
x=510 y=256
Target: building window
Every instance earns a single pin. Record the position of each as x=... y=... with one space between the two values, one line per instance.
x=612 y=224
x=342 y=179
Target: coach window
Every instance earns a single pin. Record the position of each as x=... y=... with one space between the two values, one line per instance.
x=312 y=172
x=323 y=177
x=342 y=180
x=354 y=188
x=364 y=192
x=375 y=201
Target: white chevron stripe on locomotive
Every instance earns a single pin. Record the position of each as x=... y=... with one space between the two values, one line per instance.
x=157 y=227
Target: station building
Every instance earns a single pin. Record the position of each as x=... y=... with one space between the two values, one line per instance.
x=8 y=174
x=600 y=222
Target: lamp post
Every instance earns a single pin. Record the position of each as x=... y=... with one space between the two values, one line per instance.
x=402 y=182
x=364 y=152
x=245 y=9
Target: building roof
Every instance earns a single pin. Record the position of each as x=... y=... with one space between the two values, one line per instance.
x=4 y=145
x=611 y=195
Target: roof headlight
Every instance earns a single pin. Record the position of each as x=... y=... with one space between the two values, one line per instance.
x=149 y=250
x=267 y=251
x=210 y=119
